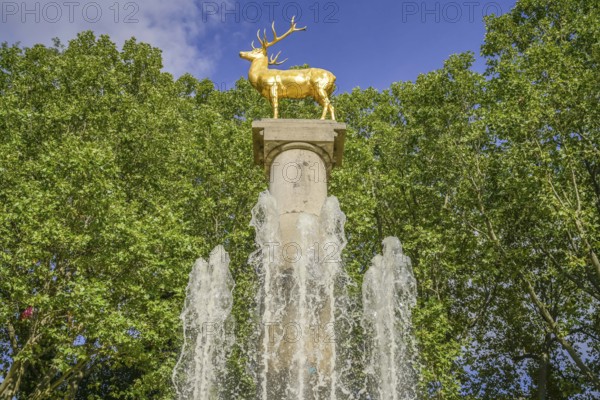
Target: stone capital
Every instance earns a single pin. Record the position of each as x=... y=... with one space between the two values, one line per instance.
x=271 y=137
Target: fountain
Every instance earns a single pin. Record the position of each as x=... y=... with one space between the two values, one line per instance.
x=305 y=347
x=304 y=311
x=200 y=370
x=389 y=293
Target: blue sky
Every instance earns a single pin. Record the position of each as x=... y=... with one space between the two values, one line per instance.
x=364 y=43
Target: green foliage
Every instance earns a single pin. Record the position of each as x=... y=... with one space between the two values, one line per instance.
x=114 y=177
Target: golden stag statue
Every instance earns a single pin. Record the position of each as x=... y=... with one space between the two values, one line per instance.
x=274 y=84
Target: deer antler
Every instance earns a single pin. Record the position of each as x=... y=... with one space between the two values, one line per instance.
x=273 y=60
x=264 y=41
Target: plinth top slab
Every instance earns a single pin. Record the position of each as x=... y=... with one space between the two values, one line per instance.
x=272 y=136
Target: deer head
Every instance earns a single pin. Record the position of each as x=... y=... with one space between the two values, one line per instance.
x=261 y=52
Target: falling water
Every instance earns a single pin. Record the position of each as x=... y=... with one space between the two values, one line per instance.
x=389 y=294
x=200 y=370
x=305 y=347
x=298 y=301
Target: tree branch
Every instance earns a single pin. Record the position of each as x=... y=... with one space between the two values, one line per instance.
x=556 y=331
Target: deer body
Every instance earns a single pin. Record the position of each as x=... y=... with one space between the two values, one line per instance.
x=274 y=84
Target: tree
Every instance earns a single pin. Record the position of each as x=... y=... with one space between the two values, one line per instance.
x=499 y=177
x=543 y=69
x=114 y=178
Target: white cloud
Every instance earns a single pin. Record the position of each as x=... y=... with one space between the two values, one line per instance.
x=175 y=26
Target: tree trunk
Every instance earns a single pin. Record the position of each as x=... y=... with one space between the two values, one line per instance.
x=543 y=375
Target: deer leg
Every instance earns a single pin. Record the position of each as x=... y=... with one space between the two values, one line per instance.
x=324 y=112
x=324 y=101
x=274 y=101
x=332 y=112
x=322 y=104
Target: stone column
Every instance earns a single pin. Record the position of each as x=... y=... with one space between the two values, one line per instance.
x=298 y=156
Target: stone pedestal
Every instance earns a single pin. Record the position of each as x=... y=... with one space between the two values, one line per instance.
x=298 y=156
